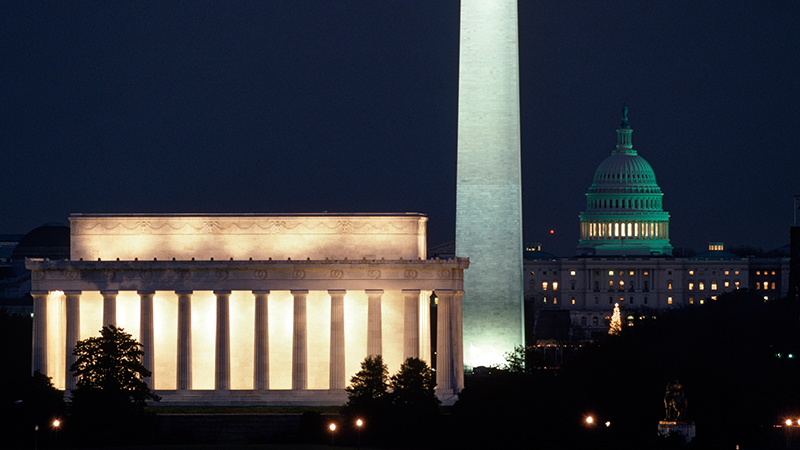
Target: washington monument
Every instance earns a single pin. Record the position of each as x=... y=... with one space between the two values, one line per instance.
x=488 y=186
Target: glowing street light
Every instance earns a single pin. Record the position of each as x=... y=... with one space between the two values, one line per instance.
x=788 y=422
x=56 y=424
x=359 y=424
x=333 y=429
x=589 y=420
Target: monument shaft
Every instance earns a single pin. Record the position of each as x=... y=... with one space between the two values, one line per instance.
x=489 y=203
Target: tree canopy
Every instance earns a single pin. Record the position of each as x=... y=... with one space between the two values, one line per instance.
x=111 y=363
x=413 y=386
x=111 y=392
x=370 y=383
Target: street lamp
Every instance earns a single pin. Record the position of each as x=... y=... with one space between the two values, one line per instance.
x=589 y=420
x=359 y=424
x=333 y=429
x=56 y=424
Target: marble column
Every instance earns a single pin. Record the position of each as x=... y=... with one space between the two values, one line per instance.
x=261 y=345
x=73 y=334
x=444 y=366
x=411 y=325
x=337 y=364
x=40 y=331
x=299 y=341
x=146 y=334
x=222 y=362
x=184 y=372
x=109 y=307
x=374 y=336
x=457 y=340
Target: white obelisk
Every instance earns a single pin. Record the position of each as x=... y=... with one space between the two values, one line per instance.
x=488 y=186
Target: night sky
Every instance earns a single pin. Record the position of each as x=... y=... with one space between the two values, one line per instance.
x=351 y=106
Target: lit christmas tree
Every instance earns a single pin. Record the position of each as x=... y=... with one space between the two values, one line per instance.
x=616 y=321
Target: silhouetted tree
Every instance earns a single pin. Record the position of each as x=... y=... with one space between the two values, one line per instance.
x=413 y=386
x=111 y=392
x=369 y=384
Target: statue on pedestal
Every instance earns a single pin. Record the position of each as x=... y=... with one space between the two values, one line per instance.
x=674 y=401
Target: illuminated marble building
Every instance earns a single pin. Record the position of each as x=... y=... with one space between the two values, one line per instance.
x=624 y=256
x=252 y=309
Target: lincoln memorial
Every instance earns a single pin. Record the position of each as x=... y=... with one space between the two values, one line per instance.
x=252 y=308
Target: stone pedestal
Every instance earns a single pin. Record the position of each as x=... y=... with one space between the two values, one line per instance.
x=665 y=427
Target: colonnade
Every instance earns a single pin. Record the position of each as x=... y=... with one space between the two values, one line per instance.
x=591 y=230
x=449 y=372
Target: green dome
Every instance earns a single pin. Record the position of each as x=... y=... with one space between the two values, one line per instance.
x=624 y=215
x=624 y=170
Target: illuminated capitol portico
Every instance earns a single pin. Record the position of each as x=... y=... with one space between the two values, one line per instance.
x=252 y=308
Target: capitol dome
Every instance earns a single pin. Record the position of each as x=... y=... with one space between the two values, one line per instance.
x=624 y=215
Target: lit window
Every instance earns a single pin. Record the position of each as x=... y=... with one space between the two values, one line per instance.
x=544 y=285
x=713 y=285
x=758 y=272
x=736 y=272
x=621 y=284
x=691 y=286
x=545 y=299
x=701 y=285
x=713 y=297
x=772 y=273
x=572 y=272
x=611 y=273
x=669 y=300
x=691 y=272
x=737 y=284
x=555 y=285
x=669 y=286
x=533 y=273
x=691 y=300
x=646 y=272
x=555 y=300
x=727 y=272
x=758 y=286
x=621 y=272
x=727 y=284
x=630 y=273
x=573 y=301
x=773 y=285
x=611 y=284
x=766 y=285
x=701 y=301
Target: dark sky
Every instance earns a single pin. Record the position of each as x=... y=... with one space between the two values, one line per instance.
x=351 y=106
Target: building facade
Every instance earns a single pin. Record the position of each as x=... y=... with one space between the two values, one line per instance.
x=252 y=309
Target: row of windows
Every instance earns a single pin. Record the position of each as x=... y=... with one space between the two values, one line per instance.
x=701 y=285
x=714 y=272
x=592 y=230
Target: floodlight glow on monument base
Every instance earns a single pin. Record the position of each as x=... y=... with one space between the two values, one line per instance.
x=488 y=357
